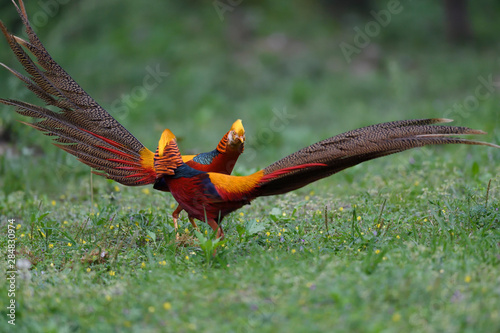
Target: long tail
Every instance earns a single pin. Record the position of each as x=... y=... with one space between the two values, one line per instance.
x=348 y=149
x=82 y=127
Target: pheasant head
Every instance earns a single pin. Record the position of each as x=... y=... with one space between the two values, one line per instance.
x=235 y=138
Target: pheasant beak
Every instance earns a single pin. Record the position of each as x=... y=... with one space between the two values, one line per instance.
x=241 y=139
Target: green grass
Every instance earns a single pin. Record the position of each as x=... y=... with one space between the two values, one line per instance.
x=418 y=251
x=409 y=242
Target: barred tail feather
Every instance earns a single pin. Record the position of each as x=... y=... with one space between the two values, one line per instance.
x=357 y=146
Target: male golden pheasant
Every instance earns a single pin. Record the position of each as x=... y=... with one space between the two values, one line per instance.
x=220 y=160
x=87 y=131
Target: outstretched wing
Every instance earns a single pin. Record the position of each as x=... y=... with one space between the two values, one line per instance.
x=82 y=127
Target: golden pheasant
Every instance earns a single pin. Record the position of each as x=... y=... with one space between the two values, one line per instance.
x=220 y=160
x=89 y=132
x=210 y=196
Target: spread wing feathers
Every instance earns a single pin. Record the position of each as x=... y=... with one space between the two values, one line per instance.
x=82 y=126
x=345 y=150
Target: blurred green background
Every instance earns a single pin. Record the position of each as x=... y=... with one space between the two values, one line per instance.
x=252 y=60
